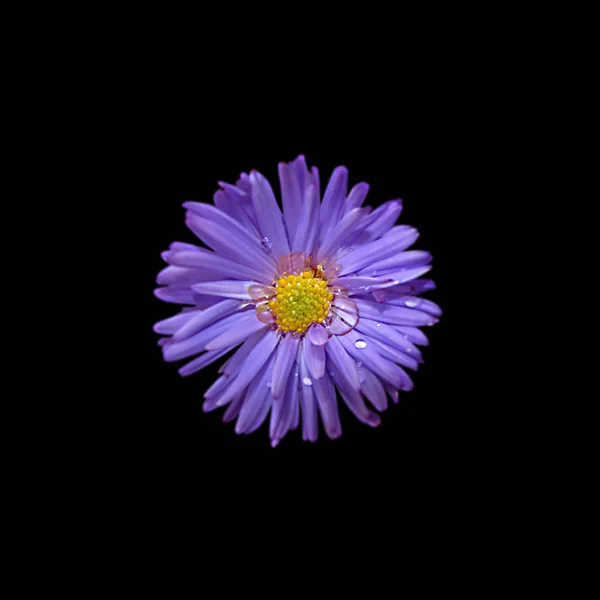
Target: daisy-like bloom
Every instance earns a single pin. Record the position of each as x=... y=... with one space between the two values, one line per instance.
x=323 y=296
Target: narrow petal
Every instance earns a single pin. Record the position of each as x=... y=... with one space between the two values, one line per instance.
x=354 y=401
x=232 y=366
x=363 y=285
x=291 y=198
x=282 y=411
x=269 y=215
x=373 y=389
x=224 y=221
x=408 y=259
x=172 y=324
x=364 y=255
x=226 y=289
x=226 y=243
x=416 y=336
x=175 y=294
x=392 y=353
x=196 y=343
x=201 y=361
x=339 y=233
x=327 y=402
x=284 y=361
x=333 y=201
x=387 y=334
x=317 y=334
x=256 y=359
x=427 y=306
x=405 y=275
x=395 y=315
x=236 y=335
x=308 y=403
x=257 y=400
x=210 y=265
x=306 y=231
x=216 y=388
x=178 y=275
x=233 y=410
x=371 y=359
x=202 y=319
x=356 y=196
x=344 y=363
x=382 y=220
x=314 y=357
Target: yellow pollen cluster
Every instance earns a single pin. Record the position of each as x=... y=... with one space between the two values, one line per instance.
x=300 y=301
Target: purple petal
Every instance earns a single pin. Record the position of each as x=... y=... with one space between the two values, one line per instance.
x=317 y=334
x=172 y=324
x=308 y=404
x=405 y=275
x=345 y=365
x=175 y=294
x=201 y=361
x=216 y=388
x=269 y=215
x=426 y=306
x=234 y=409
x=282 y=412
x=230 y=201
x=387 y=334
x=257 y=401
x=339 y=233
x=397 y=241
x=363 y=285
x=256 y=359
x=392 y=353
x=212 y=266
x=229 y=244
x=395 y=315
x=232 y=226
x=236 y=335
x=226 y=289
x=204 y=318
x=334 y=198
x=371 y=359
x=356 y=196
x=291 y=198
x=306 y=233
x=182 y=276
x=408 y=259
x=327 y=402
x=196 y=343
x=373 y=389
x=314 y=357
x=416 y=336
x=381 y=221
x=284 y=360
x=235 y=362
x=354 y=401
x=241 y=208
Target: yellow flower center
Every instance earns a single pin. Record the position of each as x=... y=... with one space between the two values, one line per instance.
x=300 y=301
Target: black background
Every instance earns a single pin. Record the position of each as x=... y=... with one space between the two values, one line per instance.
x=421 y=147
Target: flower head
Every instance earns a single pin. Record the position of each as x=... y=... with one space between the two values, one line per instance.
x=323 y=296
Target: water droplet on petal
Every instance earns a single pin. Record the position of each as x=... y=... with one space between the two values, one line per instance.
x=266 y=244
x=412 y=303
x=377 y=324
x=268 y=384
x=360 y=344
x=307 y=381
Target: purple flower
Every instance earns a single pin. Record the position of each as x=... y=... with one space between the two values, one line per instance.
x=322 y=297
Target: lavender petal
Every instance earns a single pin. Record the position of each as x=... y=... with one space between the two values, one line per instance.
x=284 y=360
